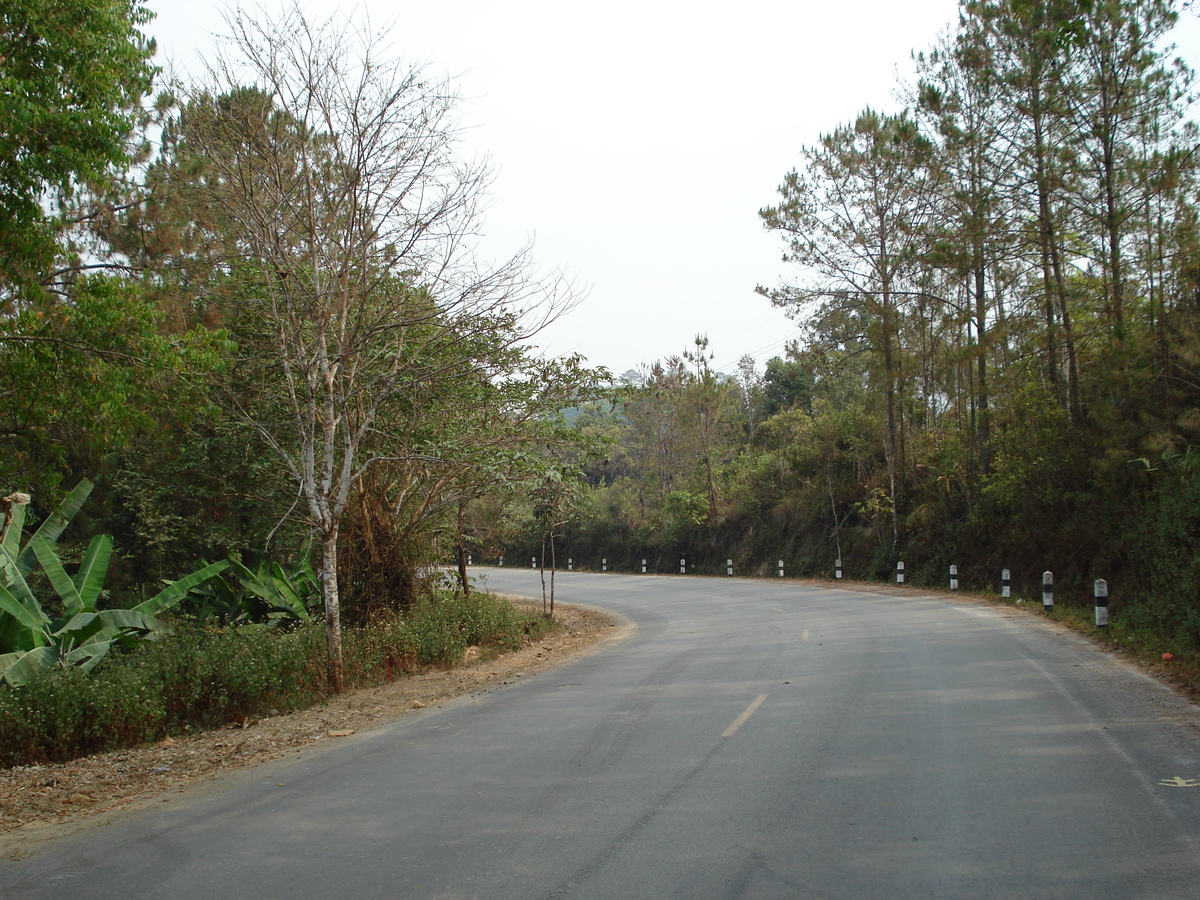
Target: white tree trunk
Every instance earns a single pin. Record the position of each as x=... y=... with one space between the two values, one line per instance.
x=333 y=619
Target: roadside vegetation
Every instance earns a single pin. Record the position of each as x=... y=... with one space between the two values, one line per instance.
x=252 y=373
x=256 y=387
x=998 y=295
x=203 y=675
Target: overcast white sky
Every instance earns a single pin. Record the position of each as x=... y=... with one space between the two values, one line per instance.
x=636 y=140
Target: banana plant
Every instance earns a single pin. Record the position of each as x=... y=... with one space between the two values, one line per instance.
x=290 y=595
x=30 y=641
x=265 y=593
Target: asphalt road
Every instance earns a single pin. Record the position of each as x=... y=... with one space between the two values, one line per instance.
x=748 y=739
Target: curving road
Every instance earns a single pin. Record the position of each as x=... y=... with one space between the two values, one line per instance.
x=748 y=739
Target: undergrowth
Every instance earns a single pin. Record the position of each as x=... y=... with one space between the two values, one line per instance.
x=202 y=676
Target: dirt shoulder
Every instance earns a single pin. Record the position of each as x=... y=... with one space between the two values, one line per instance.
x=38 y=803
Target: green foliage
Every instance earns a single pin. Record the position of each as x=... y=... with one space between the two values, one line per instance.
x=1163 y=550
x=32 y=642
x=264 y=593
x=194 y=484
x=211 y=676
x=79 y=380
x=72 y=77
x=202 y=676
x=198 y=677
x=435 y=632
x=188 y=384
x=786 y=383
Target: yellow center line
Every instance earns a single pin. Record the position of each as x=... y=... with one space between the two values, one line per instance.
x=746 y=713
x=804 y=636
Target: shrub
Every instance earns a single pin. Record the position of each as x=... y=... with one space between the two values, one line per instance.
x=203 y=676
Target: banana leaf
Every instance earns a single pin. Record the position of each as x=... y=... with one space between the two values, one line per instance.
x=177 y=590
x=7 y=659
x=78 y=628
x=220 y=599
x=89 y=580
x=18 y=585
x=87 y=656
x=287 y=594
x=87 y=626
x=131 y=620
x=271 y=584
x=11 y=544
x=29 y=617
x=62 y=583
x=54 y=525
x=31 y=664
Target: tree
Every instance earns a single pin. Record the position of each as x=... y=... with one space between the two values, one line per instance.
x=1026 y=42
x=786 y=383
x=969 y=235
x=487 y=430
x=1125 y=100
x=337 y=176
x=73 y=74
x=853 y=216
x=553 y=495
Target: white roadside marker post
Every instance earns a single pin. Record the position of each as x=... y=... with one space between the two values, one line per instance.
x=1047 y=591
x=502 y=562
x=604 y=564
x=1005 y=584
x=643 y=567
x=954 y=578
x=781 y=568
x=900 y=572
x=1101 y=592
x=570 y=564
x=683 y=566
x=837 y=568
x=729 y=567
x=533 y=563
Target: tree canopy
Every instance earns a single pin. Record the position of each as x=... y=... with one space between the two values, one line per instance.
x=73 y=74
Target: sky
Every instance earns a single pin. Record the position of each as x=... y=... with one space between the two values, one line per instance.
x=634 y=141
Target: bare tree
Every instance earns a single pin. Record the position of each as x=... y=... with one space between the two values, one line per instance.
x=334 y=167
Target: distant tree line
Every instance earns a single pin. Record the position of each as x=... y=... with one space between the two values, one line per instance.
x=999 y=291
